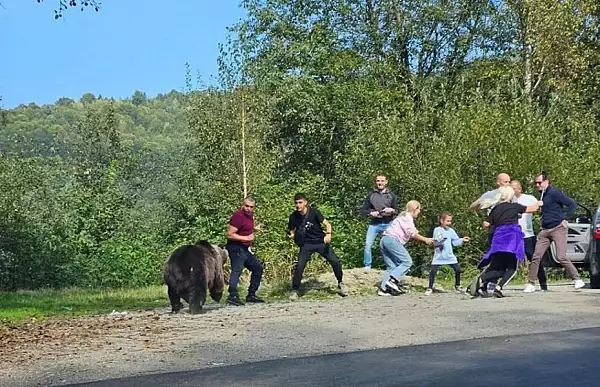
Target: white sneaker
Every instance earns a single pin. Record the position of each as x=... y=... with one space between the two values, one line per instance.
x=428 y=292
x=294 y=295
x=392 y=285
x=529 y=288
x=578 y=284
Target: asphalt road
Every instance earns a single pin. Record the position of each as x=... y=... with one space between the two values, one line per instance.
x=567 y=358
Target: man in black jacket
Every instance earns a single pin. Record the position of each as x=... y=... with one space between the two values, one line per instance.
x=380 y=205
x=555 y=227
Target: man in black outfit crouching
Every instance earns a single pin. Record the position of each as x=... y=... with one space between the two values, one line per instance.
x=304 y=227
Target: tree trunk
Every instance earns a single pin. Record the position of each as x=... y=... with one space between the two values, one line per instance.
x=402 y=38
x=527 y=47
x=243 y=129
x=527 y=54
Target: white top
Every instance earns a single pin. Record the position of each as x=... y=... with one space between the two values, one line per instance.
x=526 y=220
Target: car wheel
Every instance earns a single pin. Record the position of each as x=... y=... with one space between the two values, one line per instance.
x=595 y=267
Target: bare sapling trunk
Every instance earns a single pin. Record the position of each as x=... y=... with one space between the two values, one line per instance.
x=244 y=166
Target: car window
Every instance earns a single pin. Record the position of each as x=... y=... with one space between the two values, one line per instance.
x=581 y=216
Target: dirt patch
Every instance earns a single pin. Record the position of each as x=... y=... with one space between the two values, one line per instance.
x=360 y=280
x=20 y=344
x=101 y=347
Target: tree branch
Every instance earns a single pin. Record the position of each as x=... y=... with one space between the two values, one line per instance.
x=64 y=5
x=537 y=83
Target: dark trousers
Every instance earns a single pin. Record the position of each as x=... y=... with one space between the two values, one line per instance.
x=324 y=250
x=241 y=257
x=503 y=266
x=434 y=269
x=529 y=249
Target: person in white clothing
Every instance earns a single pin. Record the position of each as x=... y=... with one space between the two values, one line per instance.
x=526 y=223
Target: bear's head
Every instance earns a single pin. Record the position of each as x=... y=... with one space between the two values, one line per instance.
x=222 y=252
x=224 y=255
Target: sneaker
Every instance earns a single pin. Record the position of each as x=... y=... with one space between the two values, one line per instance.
x=253 y=298
x=384 y=293
x=235 y=300
x=393 y=288
x=393 y=283
x=429 y=292
x=343 y=289
x=367 y=268
x=529 y=288
x=578 y=284
x=457 y=289
x=394 y=291
x=498 y=293
x=482 y=293
x=294 y=295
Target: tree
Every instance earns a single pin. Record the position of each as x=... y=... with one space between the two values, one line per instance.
x=87 y=98
x=548 y=27
x=3 y=117
x=138 y=98
x=64 y=101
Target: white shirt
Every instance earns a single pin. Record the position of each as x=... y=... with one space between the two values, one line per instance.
x=526 y=220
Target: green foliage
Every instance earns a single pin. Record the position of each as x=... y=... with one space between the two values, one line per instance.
x=316 y=97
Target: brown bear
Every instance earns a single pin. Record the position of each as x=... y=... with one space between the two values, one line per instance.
x=191 y=270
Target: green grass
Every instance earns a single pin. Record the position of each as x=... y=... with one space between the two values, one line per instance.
x=24 y=306
x=21 y=306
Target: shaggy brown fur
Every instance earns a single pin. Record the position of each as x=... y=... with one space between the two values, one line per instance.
x=191 y=270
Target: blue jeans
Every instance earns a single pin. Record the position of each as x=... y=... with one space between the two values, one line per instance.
x=372 y=232
x=396 y=258
x=241 y=257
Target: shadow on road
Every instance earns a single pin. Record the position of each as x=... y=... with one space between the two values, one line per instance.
x=568 y=358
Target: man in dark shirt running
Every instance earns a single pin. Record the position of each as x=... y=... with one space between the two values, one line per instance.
x=304 y=227
x=555 y=227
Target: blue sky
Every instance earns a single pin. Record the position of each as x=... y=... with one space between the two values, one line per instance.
x=129 y=45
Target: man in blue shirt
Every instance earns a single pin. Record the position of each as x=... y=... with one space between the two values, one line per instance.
x=555 y=227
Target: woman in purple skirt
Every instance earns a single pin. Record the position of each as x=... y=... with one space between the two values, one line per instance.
x=507 y=247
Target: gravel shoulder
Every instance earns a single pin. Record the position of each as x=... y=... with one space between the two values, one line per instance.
x=103 y=347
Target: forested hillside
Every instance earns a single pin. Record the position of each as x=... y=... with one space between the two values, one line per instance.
x=315 y=97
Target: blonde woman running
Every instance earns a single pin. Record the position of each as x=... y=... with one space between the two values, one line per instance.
x=507 y=247
x=395 y=255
